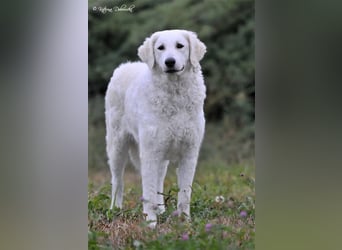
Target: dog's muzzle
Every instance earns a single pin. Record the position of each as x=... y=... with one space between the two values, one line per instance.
x=170 y=64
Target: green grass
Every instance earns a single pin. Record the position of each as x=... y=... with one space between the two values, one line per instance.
x=227 y=224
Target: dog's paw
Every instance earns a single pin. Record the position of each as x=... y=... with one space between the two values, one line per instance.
x=152 y=224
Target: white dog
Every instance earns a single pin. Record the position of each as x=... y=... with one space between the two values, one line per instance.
x=154 y=114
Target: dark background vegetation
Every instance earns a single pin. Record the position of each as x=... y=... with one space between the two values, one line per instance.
x=227 y=29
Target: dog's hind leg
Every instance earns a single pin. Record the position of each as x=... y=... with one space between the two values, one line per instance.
x=134 y=155
x=117 y=152
x=117 y=159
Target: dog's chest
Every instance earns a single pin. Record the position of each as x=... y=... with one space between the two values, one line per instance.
x=176 y=105
x=178 y=136
x=180 y=122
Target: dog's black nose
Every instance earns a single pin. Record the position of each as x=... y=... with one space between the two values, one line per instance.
x=170 y=62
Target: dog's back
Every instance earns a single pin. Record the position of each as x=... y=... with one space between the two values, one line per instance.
x=122 y=78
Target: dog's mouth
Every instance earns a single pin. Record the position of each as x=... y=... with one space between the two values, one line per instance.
x=174 y=70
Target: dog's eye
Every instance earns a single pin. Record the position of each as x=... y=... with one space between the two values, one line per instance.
x=161 y=47
x=179 y=45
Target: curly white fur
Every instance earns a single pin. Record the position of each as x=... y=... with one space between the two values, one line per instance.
x=154 y=114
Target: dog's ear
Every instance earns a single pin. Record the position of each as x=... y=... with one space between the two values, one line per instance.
x=146 y=53
x=197 y=48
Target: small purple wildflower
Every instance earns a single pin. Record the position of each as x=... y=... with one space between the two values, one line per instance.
x=142 y=199
x=208 y=227
x=185 y=236
x=243 y=213
x=175 y=213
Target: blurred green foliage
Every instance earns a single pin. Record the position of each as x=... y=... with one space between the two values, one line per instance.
x=227 y=29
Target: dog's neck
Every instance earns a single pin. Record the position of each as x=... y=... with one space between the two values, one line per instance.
x=174 y=77
x=175 y=82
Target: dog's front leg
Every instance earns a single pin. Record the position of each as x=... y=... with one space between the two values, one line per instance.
x=149 y=174
x=185 y=176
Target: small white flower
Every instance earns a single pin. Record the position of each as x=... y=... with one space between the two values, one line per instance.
x=219 y=199
x=137 y=243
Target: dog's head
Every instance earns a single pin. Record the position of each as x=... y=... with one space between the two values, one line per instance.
x=172 y=51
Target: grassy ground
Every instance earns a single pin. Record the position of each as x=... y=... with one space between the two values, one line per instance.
x=222 y=212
